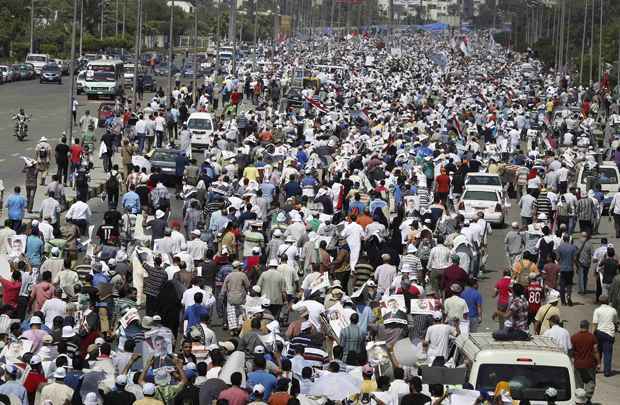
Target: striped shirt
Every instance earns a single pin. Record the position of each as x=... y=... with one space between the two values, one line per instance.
x=351 y=340
x=543 y=205
x=410 y=263
x=584 y=209
x=156 y=279
x=363 y=273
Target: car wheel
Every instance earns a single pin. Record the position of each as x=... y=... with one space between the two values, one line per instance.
x=60 y=82
x=89 y=97
x=40 y=81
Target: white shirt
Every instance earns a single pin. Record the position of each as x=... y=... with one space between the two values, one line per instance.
x=160 y=123
x=197 y=248
x=46 y=230
x=188 y=296
x=171 y=271
x=79 y=210
x=560 y=336
x=605 y=318
x=563 y=174
x=456 y=307
x=384 y=275
x=50 y=208
x=439 y=257
x=141 y=127
x=614 y=207
x=52 y=308
x=438 y=336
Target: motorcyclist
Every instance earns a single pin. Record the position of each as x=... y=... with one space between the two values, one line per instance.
x=87 y=121
x=21 y=117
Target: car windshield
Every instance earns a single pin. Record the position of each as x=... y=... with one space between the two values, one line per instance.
x=164 y=155
x=483 y=181
x=606 y=175
x=51 y=69
x=99 y=76
x=525 y=377
x=33 y=58
x=200 y=124
x=480 y=195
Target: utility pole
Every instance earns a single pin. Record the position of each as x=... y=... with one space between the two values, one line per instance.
x=101 y=25
x=81 y=25
x=194 y=65
x=72 y=73
x=600 y=45
x=583 y=42
x=170 y=52
x=116 y=19
x=124 y=17
x=31 y=26
x=232 y=34
x=592 y=44
x=568 y=24
x=137 y=52
x=255 y=7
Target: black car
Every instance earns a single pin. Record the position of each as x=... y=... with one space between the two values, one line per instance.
x=165 y=160
x=148 y=84
x=51 y=74
x=294 y=98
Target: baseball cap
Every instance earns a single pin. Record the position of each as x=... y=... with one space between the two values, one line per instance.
x=60 y=373
x=34 y=360
x=258 y=389
x=148 y=389
x=259 y=350
x=121 y=379
x=35 y=320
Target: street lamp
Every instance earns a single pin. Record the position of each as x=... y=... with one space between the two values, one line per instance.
x=72 y=72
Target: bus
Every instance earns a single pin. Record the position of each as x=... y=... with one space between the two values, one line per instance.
x=104 y=78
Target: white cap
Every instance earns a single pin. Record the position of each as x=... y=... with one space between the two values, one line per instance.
x=258 y=388
x=196 y=232
x=91 y=399
x=259 y=350
x=412 y=249
x=542 y=216
x=121 y=379
x=256 y=250
x=67 y=331
x=273 y=263
x=515 y=225
x=256 y=289
x=35 y=320
x=437 y=315
x=99 y=341
x=148 y=389
x=55 y=251
x=60 y=373
x=277 y=233
x=159 y=214
x=35 y=360
x=156 y=318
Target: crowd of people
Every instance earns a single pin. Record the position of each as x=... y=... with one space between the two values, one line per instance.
x=295 y=257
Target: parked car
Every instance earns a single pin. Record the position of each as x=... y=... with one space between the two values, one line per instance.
x=14 y=73
x=51 y=73
x=164 y=159
x=148 y=84
x=29 y=69
x=104 y=112
x=64 y=66
x=163 y=68
x=187 y=71
x=5 y=75
x=80 y=82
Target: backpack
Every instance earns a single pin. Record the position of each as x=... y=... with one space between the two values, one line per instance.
x=42 y=153
x=81 y=179
x=111 y=184
x=424 y=250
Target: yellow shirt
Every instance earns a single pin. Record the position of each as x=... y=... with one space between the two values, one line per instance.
x=251 y=173
x=368 y=386
x=549 y=106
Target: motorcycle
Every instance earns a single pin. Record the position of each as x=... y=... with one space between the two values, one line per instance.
x=21 y=128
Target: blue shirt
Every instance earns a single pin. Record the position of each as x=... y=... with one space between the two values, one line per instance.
x=16 y=389
x=100 y=278
x=264 y=378
x=268 y=190
x=193 y=313
x=16 y=205
x=131 y=200
x=566 y=256
x=360 y=206
x=473 y=298
x=34 y=250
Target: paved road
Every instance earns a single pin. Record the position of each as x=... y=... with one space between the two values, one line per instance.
x=48 y=104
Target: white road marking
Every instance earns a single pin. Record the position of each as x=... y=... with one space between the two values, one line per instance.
x=29 y=148
x=2 y=160
x=14 y=154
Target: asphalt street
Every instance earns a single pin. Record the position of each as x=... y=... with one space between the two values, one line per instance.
x=48 y=104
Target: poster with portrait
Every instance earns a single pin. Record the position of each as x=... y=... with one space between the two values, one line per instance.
x=393 y=309
x=157 y=343
x=425 y=306
x=17 y=245
x=337 y=318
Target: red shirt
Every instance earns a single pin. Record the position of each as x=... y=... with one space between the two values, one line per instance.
x=503 y=288
x=235 y=396
x=10 y=291
x=534 y=296
x=453 y=275
x=443 y=183
x=583 y=349
x=76 y=153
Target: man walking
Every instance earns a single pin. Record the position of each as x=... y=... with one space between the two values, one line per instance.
x=567 y=252
x=62 y=160
x=583 y=261
x=586 y=358
x=514 y=244
x=16 y=205
x=604 y=322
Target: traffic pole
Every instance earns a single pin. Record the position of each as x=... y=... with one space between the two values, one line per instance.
x=72 y=73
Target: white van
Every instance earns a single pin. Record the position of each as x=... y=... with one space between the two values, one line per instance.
x=530 y=367
x=38 y=60
x=201 y=125
x=608 y=177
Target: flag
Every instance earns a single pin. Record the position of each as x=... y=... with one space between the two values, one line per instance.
x=491 y=40
x=317 y=104
x=457 y=125
x=464 y=47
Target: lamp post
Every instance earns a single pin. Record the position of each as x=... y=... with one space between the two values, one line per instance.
x=32 y=26
x=170 y=51
x=72 y=72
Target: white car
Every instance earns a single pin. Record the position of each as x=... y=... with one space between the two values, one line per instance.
x=477 y=199
x=201 y=125
x=491 y=182
x=4 y=74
